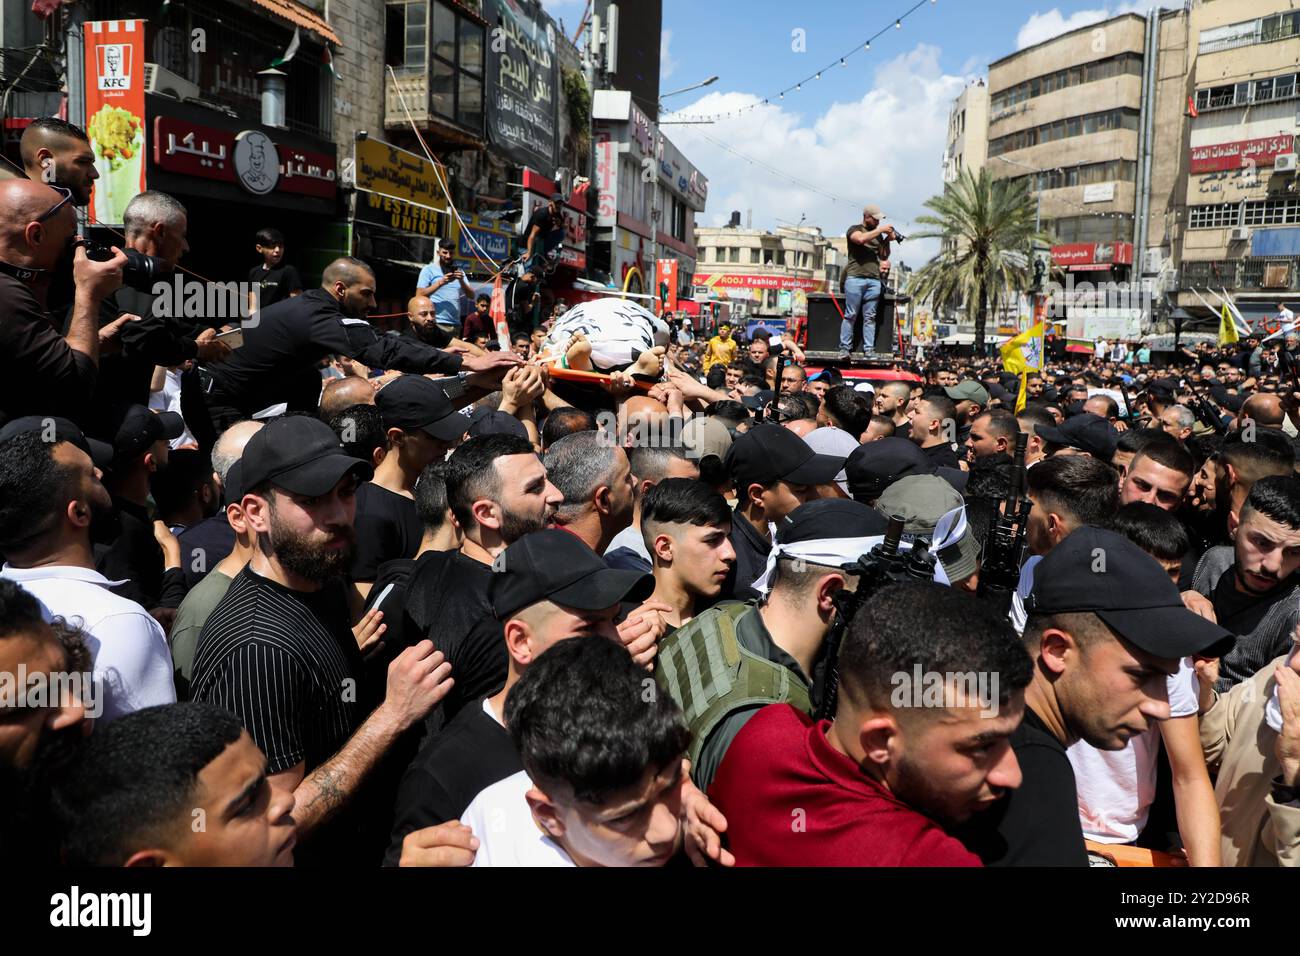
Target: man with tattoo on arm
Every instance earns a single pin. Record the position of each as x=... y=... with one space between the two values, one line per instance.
x=279 y=652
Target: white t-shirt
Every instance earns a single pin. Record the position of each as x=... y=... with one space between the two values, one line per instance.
x=1116 y=787
x=132 y=663
x=169 y=400
x=1017 y=613
x=507 y=833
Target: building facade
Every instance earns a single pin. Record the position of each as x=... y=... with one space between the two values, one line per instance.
x=648 y=195
x=766 y=274
x=967 y=143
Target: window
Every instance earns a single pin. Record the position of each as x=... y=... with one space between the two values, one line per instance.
x=1279 y=26
x=1218 y=216
x=734 y=254
x=1123 y=118
x=1261 y=212
x=1240 y=94
x=1122 y=64
x=455 y=66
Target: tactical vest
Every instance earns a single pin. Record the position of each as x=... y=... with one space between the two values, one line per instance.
x=711 y=675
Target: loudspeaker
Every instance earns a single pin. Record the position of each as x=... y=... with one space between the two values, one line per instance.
x=824 y=322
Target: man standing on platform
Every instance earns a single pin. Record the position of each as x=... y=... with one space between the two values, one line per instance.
x=868 y=249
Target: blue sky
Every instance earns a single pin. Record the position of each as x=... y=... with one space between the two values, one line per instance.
x=870 y=131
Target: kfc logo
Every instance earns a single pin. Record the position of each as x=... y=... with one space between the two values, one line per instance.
x=115 y=66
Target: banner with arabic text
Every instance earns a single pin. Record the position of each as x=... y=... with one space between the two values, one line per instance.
x=522 y=83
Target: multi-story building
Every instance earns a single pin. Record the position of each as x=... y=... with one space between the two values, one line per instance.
x=967 y=142
x=766 y=273
x=1240 y=230
x=648 y=193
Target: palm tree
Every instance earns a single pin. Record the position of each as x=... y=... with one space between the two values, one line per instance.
x=988 y=231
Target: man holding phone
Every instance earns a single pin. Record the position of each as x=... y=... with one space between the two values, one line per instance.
x=447 y=287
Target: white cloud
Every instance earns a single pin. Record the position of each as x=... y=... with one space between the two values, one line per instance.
x=885 y=148
x=1052 y=23
x=667 y=65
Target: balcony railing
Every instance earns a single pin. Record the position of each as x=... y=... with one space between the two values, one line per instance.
x=1253 y=273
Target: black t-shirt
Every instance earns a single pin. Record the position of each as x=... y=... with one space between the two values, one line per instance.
x=387 y=527
x=446 y=601
x=752 y=548
x=472 y=752
x=275 y=284
x=134 y=557
x=1038 y=823
x=280 y=660
x=39 y=373
x=941 y=455
x=552 y=229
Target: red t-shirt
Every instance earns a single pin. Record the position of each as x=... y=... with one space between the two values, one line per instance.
x=791 y=799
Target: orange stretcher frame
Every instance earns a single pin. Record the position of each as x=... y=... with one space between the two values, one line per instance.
x=1121 y=854
x=577 y=375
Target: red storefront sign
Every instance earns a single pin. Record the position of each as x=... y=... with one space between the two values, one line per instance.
x=731 y=280
x=1096 y=254
x=1220 y=156
x=190 y=149
x=666 y=283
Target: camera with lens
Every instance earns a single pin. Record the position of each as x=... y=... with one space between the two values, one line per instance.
x=898 y=236
x=140 y=272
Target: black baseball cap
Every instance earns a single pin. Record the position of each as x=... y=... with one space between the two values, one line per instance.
x=233 y=489
x=100 y=452
x=1085 y=431
x=299 y=454
x=830 y=518
x=140 y=428
x=491 y=421
x=875 y=466
x=414 y=402
x=768 y=453
x=556 y=565
x=1133 y=595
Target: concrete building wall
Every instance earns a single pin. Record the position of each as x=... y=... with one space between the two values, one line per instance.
x=967 y=141
x=359 y=63
x=1079 y=46
x=1175 y=56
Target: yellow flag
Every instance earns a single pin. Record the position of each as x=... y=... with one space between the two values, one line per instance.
x=1227 y=328
x=1024 y=353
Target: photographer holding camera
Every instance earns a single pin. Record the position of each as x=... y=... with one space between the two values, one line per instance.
x=868 y=249
x=157 y=332
x=41 y=371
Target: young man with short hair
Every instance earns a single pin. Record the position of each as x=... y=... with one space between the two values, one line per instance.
x=1106 y=631
x=1252 y=584
x=881 y=783
x=1160 y=475
x=175 y=785
x=650 y=465
x=604 y=776
x=687 y=527
x=933 y=421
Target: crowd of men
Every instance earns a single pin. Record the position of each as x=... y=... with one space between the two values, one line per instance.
x=327 y=595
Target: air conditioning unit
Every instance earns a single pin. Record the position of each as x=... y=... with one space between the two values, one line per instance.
x=1153 y=260
x=159 y=80
x=1239 y=234
x=1285 y=163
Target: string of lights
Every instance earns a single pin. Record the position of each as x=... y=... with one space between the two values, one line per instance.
x=843 y=60
x=767 y=167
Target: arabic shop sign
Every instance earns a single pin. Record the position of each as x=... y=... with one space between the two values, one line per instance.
x=521 y=83
x=385 y=169
x=396 y=214
x=1261 y=152
x=488 y=238
x=249 y=158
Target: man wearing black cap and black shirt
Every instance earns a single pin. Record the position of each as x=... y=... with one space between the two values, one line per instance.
x=777 y=641
x=277 y=363
x=422 y=423
x=549 y=587
x=141 y=553
x=774 y=471
x=1106 y=629
x=279 y=652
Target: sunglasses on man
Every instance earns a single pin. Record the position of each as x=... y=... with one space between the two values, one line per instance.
x=67 y=198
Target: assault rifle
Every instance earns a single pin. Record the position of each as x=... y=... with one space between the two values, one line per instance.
x=1005 y=545
x=878 y=567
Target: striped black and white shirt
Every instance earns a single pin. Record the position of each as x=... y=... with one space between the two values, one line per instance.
x=1263 y=623
x=286 y=664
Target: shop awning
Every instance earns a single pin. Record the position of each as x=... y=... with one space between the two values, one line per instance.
x=301 y=16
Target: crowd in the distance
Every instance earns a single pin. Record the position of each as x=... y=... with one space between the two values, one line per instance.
x=325 y=594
